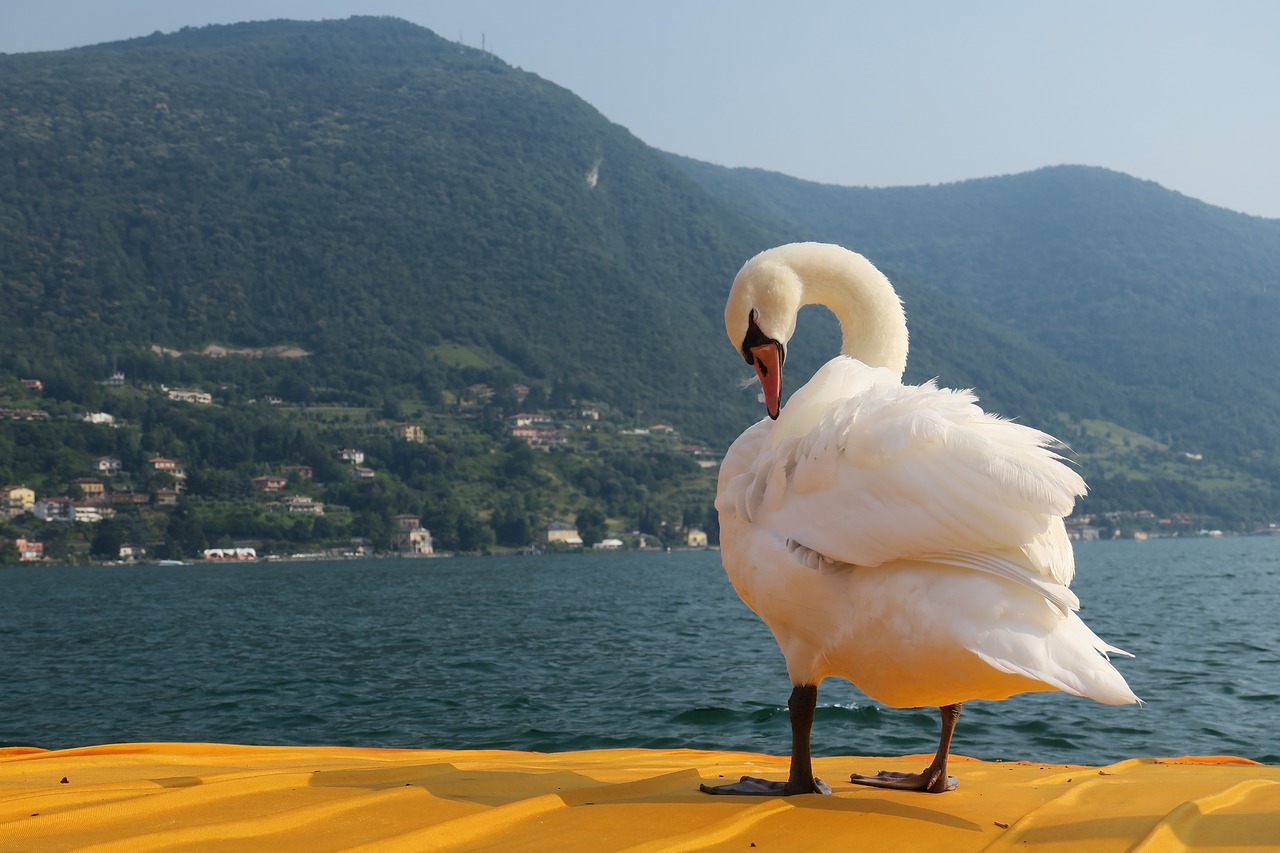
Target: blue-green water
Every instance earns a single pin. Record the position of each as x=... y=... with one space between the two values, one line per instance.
x=594 y=650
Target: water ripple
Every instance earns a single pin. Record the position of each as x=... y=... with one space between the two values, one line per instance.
x=593 y=651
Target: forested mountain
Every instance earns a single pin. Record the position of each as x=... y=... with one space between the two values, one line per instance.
x=379 y=196
x=1163 y=309
x=425 y=226
x=1154 y=291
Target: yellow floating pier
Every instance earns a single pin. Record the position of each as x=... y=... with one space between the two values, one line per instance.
x=142 y=797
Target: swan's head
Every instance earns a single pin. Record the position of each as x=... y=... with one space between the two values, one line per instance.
x=760 y=318
x=770 y=289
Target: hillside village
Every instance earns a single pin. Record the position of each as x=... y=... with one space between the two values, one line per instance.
x=114 y=510
x=107 y=509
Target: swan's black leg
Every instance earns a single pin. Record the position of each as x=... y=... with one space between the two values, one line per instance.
x=801 y=705
x=934 y=779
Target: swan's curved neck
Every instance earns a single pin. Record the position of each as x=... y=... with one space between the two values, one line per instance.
x=869 y=310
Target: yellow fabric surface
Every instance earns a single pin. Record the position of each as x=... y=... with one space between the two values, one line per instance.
x=221 y=797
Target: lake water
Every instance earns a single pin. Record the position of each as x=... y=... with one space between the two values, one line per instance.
x=589 y=650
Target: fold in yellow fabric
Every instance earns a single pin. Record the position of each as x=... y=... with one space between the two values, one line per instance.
x=223 y=797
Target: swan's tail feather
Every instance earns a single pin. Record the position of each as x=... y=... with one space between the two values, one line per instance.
x=1074 y=660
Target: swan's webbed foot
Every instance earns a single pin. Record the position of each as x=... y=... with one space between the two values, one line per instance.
x=753 y=787
x=931 y=781
x=804 y=698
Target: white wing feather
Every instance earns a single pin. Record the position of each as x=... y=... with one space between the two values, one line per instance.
x=863 y=470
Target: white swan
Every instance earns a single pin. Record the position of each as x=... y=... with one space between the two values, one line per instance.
x=894 y=535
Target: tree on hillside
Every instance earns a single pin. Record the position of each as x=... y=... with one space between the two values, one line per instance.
x=591 y=525
x=513 y=525
x=107 y=539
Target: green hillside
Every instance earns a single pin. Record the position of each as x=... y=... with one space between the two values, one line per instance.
x=334 y=227
x=364 y=190
x=1158 y=312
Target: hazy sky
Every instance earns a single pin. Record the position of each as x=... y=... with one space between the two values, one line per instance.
x=869 y=94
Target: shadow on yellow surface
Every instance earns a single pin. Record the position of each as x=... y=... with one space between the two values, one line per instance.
x=213 y=797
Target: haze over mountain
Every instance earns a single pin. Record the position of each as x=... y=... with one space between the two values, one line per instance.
x=419 y=215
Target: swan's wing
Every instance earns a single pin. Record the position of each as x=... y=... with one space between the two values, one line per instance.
x=864 y=471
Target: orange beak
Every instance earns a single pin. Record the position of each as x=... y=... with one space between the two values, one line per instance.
x=767 y=359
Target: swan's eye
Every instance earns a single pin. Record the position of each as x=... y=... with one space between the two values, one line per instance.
x=754 y=337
